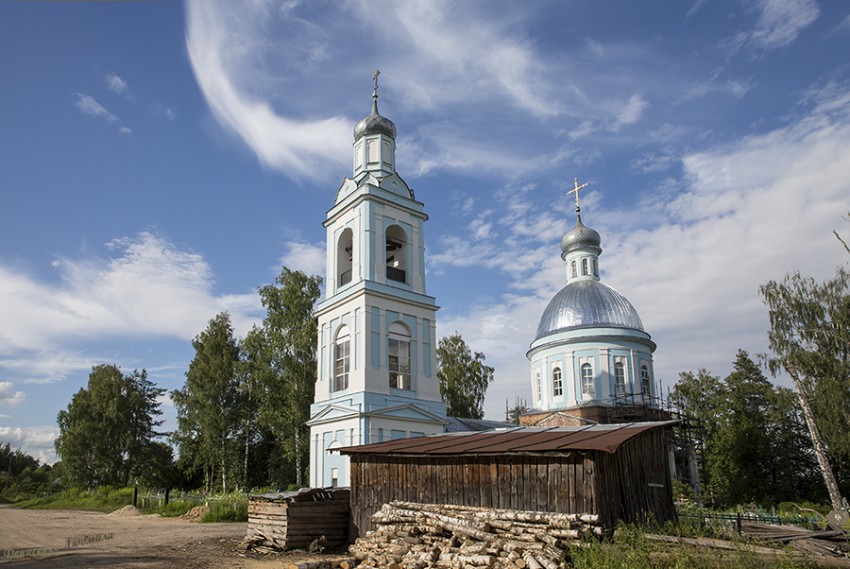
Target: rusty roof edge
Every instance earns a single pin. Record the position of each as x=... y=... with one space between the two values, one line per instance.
x=425 y=445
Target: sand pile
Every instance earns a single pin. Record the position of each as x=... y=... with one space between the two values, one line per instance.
x=127 y=511
x=196 y=513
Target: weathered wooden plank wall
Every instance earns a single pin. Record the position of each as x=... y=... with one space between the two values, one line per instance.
x=508 y=482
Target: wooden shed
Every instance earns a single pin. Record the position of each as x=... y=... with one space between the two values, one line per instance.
x=288 y=520
x=619 y=472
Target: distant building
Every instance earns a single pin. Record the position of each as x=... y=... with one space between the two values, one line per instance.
x=591 y=360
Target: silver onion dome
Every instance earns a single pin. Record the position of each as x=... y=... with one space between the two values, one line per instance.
x=374 y=124
x=580 y=237
x=587 y=304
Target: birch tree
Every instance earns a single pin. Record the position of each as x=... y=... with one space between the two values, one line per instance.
x=810 y=337
x=464 y=378
x=208 y=410
x=290 y=332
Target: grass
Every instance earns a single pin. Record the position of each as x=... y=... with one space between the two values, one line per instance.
x=630 y=548
x=232 y=508
x=227 y=510
x=104 y=499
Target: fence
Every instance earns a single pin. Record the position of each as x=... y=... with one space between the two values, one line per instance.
x=735 y=519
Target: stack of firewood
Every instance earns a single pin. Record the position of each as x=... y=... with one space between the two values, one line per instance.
x=412 y=535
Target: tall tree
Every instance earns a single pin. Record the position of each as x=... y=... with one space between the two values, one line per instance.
x=254 y=374
x=464 y=377
x=208 y=411
x=741 y=452
x=696 y=396
x=107 y=432
x=810 y=337
x=290 y=332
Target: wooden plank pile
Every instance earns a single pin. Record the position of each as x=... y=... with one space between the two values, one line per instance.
x=414 y=535
x=317 y=517
x=828 y=543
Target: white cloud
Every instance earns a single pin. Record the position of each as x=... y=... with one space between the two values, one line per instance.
x=163 y=111
x=125 y=131
x=731 y=88
x=35 y=441
x=779 y=23
x=487 y=57
x=8 y=396
x=116 y=84
x=88 y=106
x=631 y=112
x=222 y=42
x=655 y=162
x=306 y=257
x=149 y=287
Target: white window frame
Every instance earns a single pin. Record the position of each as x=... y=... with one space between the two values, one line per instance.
x=342 y=360
x=398 y=359
x=588 y=382
x=645 y=380
x=619 y=378
x=557 y=382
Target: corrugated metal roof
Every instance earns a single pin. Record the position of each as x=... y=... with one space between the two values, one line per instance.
x=519 y=440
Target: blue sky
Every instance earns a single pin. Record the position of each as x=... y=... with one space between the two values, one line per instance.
x=159 y=161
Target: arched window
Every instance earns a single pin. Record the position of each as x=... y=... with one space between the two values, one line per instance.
x=645 y=381
x=619 y=379
x=344 y=251
x=398 y=352
x=537 y=387
x=584 y=266
x=595 y=268
x=342 y=359
x=588 y=386
x=574 y=271
x=396 y=254
x=557 y=383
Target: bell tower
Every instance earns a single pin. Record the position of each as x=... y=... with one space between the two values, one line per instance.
x=376 y=376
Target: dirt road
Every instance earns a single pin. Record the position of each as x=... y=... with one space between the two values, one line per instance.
x=52 y=539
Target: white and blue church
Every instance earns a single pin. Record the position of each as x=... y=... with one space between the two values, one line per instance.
x=591 y=360
x=377 y=376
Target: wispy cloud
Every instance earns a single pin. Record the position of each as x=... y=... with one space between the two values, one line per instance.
x=631 y=112
x=88 y=106
x=730 y=88
x=217 y=37
x=116 y=84
x=163 y=111
x=778 y=24
x=490 y=56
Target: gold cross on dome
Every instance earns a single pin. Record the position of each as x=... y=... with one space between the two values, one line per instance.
x=375 y=79
x=575 y=190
